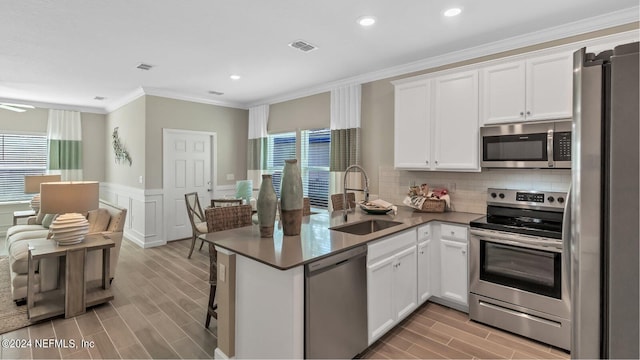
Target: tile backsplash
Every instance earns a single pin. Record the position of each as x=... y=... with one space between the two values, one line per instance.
x=468 y=191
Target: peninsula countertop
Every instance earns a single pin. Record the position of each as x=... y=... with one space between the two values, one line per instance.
x=316 y=239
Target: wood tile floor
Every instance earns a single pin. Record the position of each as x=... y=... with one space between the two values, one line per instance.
x=438 y=332
x=160 y=306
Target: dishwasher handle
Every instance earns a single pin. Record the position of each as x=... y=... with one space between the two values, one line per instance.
x=336 y=260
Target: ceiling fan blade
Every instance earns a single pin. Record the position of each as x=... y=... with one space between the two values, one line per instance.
x=8 y=107
x=18 y=105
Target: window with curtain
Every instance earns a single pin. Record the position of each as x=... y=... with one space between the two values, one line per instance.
x=20 y=155
x=315 y=149
x=279 y=148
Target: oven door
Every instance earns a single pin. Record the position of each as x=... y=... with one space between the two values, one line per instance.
x=522 y=270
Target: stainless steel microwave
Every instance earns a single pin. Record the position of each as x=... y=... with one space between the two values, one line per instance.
x=527 y=145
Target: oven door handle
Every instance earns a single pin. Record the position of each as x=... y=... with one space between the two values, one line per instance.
x=545 y=245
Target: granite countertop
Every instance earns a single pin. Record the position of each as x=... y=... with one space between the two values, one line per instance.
x=316 y=240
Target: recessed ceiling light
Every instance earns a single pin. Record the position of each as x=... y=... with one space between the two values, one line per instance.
x=452 y=12
x=366 y=20
x=235 y=77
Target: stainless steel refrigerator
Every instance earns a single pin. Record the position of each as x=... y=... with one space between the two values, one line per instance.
x=604 y=204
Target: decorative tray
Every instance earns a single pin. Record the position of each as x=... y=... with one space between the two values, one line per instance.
x=374 y=209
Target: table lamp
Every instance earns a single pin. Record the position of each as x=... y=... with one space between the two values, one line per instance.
x=69 y=199
x=32 y=186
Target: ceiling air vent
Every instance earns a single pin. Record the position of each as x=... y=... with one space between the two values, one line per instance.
x=143 y=66
x=302 y=46
x=216 y=92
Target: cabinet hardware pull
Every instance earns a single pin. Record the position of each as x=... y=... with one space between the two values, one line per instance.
x=528 y=112
x=521 y=113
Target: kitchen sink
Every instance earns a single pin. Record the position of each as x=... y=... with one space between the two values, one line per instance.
x=365 y=227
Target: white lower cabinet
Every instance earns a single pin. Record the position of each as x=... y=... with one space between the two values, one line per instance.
x=425 y=263
x=407 y=269
x=453 y=264
x=391 y=282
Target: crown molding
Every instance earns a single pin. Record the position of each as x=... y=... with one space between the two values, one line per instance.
x=580 y=27
x=188 y=97
x=124 y=100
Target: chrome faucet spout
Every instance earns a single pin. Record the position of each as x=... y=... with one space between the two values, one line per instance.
x=346 y=206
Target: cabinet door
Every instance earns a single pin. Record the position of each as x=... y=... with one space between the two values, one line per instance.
x=453 y=274
x=380 y=309
x=503 y=93
x=456 y=122
x=412 y=147
x=549 y=87
x=424 y=271
x=405 y=293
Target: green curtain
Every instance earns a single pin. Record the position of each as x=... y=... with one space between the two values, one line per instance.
x=65 y=154
x=64 y=139
x=257 y=154
x=345 y=148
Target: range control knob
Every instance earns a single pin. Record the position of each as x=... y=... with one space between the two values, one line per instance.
x=493 y=195
x=561 y=200
x=551 y=199
x=501 y=196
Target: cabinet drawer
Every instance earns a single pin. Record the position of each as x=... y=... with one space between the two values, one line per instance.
x=453 y=232
x=390 y=245
x=424 y=232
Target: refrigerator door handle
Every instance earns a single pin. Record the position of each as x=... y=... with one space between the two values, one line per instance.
x=566 y=240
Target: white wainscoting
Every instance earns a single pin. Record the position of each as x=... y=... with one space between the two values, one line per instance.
x=145 y=210
x=223 y=191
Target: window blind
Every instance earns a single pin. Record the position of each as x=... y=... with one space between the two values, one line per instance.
x=280 y=148
x=20 y=155
x=315 y=152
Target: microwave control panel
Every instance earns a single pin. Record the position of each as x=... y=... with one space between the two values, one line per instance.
x=562 y=146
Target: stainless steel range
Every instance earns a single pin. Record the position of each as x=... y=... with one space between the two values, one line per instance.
x=519 y=268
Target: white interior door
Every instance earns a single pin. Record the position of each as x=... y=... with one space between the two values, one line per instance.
x=186 y=168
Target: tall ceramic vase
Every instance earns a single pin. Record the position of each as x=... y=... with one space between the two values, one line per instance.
x=291 y=198
x=267 y=205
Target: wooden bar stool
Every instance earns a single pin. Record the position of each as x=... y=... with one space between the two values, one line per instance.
x=219 y=219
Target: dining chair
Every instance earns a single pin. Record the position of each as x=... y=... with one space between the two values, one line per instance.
x=196 y=218
x=225 y=202
x=338 y=204
x=219 y=219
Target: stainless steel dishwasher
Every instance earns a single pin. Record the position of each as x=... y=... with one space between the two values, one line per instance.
x=336 y=305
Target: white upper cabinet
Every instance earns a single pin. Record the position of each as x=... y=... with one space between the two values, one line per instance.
x=503 y=93
x=412 y=147
x=436 y=123
x=539 y=88
x=549 y=87
x=456 y=122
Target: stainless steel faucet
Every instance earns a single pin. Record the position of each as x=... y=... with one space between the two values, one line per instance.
x=345 y=204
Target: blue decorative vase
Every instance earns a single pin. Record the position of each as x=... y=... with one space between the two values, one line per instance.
x=291 y=198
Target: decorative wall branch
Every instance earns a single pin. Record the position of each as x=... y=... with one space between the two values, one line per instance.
x=122 y=155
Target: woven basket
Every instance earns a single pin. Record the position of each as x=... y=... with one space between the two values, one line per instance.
x=432 y=205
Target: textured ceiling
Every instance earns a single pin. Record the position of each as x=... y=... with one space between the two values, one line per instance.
x=67 y=52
